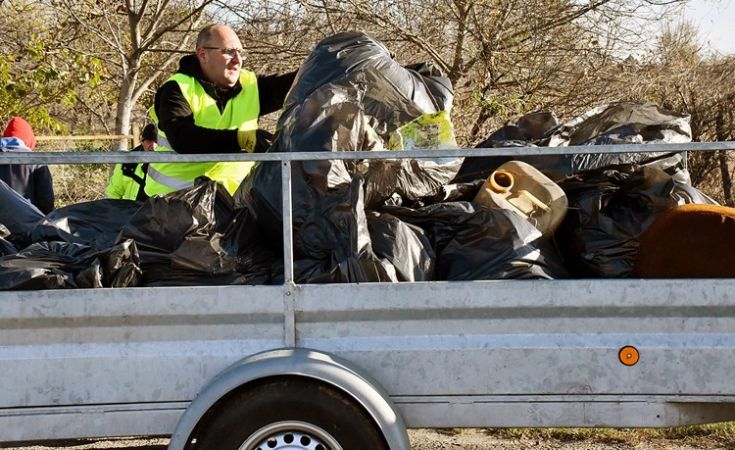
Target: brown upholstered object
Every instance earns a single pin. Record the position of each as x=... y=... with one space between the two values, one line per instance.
x=695 y=241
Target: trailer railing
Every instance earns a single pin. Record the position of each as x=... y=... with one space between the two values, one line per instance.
x=286 y=159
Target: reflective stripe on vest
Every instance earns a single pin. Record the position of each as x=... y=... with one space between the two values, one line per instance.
x=240 y=112
x=162 y=140
x=162 y=178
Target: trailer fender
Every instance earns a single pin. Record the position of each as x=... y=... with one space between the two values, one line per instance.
x=297 y=362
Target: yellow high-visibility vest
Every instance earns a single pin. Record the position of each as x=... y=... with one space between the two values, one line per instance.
x=122 y=186
x=240 y=113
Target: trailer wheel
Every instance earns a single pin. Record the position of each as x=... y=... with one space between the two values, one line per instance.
x=290 y=414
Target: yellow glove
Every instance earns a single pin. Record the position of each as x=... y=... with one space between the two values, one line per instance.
x=246 y=139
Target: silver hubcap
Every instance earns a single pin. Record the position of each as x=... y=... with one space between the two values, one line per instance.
x=291 y=435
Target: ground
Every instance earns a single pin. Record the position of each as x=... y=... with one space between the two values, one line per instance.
x=718 y=438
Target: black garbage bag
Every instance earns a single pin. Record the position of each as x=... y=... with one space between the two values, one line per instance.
x=418 y=89
x=158 y=275
x=333 y=244
x=177 y=232
x=455 y=192
x=163 y=223
x=6 y=248
x=411 y=179
x=532 y=127
x=180 y=238
x=472 y=242
x=349 y=95
x=609 y=209
x=18 y=215
x=242 y=238
x=403 y=246
x=624 y=122
x=619 y=123
x=49 y=265
x=95 y=223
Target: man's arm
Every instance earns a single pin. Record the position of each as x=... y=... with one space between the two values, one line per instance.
x=272 y=90
x=176 y=119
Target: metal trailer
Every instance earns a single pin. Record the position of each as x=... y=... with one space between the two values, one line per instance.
x=350 y=366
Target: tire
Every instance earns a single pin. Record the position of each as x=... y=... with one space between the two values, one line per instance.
x=289 y=413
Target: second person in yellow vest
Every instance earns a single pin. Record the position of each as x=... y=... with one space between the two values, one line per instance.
x=212 y=105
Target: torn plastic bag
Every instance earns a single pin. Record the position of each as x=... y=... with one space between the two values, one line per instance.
x=609 y=209
x=333 y=245
x=403 y=246
x=18 y=215
x=6 y=248
x=414 y=179
x=472 y=242
x=96 y=223
x=49 y=265
x=620 y=123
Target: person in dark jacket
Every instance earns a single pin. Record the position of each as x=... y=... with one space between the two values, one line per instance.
x=128 y=180
x=212 y=105
x=32 y=181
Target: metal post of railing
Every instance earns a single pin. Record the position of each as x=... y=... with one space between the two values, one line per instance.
x=287 y=223
x=289 y=301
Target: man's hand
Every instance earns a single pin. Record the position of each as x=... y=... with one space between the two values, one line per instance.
x=263 y=141
x=246 y=139
x=257 y=141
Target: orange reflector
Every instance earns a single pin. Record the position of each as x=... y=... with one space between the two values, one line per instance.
x=628 y=355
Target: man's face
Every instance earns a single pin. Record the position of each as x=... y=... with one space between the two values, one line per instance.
x=149 y=145
x=220 y=58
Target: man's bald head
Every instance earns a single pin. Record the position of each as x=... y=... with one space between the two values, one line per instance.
x=219 y=52
x=208 y=32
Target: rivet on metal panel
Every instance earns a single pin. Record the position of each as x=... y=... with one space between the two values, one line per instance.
x=629 y=355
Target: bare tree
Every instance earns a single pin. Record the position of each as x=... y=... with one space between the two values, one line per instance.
x=507 y=57
x=679 y=77
x=127 y=35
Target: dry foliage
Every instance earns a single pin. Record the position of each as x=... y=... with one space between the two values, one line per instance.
x=505 y=58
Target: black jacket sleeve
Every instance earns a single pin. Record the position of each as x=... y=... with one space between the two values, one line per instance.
x=43 y=189
x=176 y=119
x=272 y=91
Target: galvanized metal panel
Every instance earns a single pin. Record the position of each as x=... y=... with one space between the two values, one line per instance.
x=530 y=337
x=89 y=421
x=463 y=412
x=133 y=345
x=427 y=341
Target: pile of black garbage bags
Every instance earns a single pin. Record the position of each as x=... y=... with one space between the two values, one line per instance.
x=366 y=220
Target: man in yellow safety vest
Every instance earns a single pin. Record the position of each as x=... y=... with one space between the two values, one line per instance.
x=212 y=105
x=128 y=180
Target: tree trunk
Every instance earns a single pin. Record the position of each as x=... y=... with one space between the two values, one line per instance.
x=124 y=110
x=721 y=135
x=726 y=180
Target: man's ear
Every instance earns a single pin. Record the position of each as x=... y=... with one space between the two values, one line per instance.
x=201 y=55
